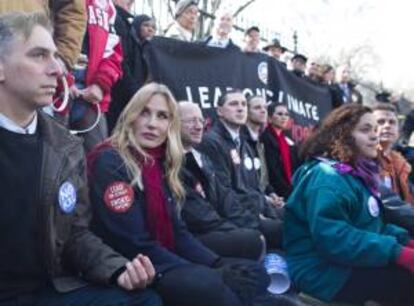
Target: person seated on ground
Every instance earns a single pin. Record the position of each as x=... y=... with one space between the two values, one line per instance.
x=280 y=151
x=48 y=254
x=251 y=131
x=205 y=199
x=186 y=16
x=337 y=245
x=252 y=40
x=395 y=170
x=223 y=25
x=233 y=162
x=135 y=192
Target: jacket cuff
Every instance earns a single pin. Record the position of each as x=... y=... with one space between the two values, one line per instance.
x=114 y=278
x=103 y=84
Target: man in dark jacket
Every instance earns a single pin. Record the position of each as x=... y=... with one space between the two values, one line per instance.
x=205 y=198
x=233 y=161
x=223 y=25
x=48 y=254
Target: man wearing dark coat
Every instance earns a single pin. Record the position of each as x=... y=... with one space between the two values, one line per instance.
x=234 y=163
x=48 y=254
x=205 y=198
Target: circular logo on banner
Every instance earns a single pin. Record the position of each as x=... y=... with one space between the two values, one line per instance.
x=262 y=72
x=248 y=163
x=119 y=197
x=235 y=157
x=257 y=164
x=373 y=206
x=67 y=197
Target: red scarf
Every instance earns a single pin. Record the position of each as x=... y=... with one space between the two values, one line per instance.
x=158 y=218
x=284 y=153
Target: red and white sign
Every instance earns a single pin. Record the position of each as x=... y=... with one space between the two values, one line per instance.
x=119 y=197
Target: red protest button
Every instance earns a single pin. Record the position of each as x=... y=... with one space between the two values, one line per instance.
x=119 y=197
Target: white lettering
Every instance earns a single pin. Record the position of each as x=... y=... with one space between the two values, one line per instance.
x=217 y=95
x=92 y=18
x=280 y=98
x=98 y=17
x=305 y=109
x=247 y=92
x=189 y=94
x=203 y=91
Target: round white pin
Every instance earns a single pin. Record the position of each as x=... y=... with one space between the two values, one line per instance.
x=373 y=206
x=67 y=197
x=248 y=163
x=257 y=163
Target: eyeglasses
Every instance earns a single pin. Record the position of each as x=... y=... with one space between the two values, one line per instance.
x=194 y=121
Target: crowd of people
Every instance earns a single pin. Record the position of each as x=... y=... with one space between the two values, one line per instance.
x=160 y=210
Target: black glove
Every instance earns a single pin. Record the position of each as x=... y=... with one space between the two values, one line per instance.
x=247 y=279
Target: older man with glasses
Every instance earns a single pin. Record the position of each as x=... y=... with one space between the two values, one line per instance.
x=205 y=197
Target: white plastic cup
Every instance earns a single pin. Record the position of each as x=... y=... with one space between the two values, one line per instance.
x=276 y=267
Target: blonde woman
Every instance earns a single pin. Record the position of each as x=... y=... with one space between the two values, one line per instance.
x=135 y=192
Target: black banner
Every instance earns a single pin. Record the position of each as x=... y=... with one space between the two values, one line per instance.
x=197 y=73
x=308 y=102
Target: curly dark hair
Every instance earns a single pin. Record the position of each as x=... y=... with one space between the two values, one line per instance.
x=333 y=138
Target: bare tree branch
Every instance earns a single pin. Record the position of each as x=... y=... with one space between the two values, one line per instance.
x=243 y=7
x=170 y=10
x=215 y=5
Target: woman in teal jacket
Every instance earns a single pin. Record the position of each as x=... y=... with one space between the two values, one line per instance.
x=338 y=248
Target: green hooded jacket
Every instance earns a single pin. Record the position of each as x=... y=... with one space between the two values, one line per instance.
x=332 y=225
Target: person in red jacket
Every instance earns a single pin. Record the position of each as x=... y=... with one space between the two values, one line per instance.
x=98 y=69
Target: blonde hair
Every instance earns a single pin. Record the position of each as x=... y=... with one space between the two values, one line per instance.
x=123 y=138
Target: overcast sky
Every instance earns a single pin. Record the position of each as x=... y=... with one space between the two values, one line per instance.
x=331 y=26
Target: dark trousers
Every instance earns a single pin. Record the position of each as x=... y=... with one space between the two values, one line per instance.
x=87 y=296
x=242 y=243
x=194 y=285
x=390 y=285
x=272 y=231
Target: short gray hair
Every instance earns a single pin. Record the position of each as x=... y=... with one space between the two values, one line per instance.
x=20 y=24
